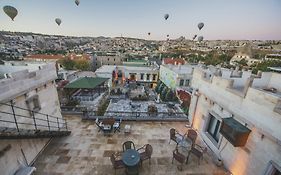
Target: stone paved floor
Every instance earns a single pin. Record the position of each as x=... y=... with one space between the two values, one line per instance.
x=86 y=151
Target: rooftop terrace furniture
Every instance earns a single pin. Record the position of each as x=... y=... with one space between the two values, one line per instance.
x=117 y=163
x=127 y=129
x=192 y=135
x=198 y=151
x=99 y=124
x=128 y=145
x=179 y=157
x=175 y=135
x=117 y=124
x=146 y=152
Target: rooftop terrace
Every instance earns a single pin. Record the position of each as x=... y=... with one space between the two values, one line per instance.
x=86 y=151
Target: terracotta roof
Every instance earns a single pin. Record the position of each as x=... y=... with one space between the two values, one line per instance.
x=44 y=56
x=174 y=61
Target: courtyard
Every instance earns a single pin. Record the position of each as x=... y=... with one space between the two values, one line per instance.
x=86 y=151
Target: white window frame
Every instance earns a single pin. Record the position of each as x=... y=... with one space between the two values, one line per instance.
x=206 y=125
x=271 y=168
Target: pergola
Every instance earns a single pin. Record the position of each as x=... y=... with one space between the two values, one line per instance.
x=86 y=86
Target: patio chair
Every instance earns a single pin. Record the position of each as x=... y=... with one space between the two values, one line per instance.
x=198 y=151
x=192 y=135
x=146 y=154
x=175 y=135
x=179 y=157
x=128 y=145
x=117 y=164
x=100 y=126
x=117 y=124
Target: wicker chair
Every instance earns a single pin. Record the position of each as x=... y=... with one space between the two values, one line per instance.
x=117 y=164
x=192 y=135
x=179 y=157
x=146 y=154
x=128 y=145
x=198 y=151
x=174 y=134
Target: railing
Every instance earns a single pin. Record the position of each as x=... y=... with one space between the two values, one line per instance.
x=31 y=119
x=138 y=115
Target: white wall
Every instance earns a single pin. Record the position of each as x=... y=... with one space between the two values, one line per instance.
x=18 y=89
x=255 y=109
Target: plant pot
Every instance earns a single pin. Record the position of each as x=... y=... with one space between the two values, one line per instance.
x=219 y=163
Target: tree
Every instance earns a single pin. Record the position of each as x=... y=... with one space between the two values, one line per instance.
x=170 y=95
x=158 y=86
x=67 y=64
x=82 y=64
x=163 y=93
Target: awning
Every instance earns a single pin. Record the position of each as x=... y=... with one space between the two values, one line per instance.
x=86 y=83
x=236 y=133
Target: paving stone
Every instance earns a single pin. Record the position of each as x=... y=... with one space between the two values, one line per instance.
x=87 y=151
x=63 y=159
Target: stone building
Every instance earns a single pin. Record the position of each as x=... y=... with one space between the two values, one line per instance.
x=239 y=117
x=27 y=93
x=175 y=76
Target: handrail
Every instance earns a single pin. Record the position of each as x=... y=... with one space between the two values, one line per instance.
x=23 y=116
x=51 y=121
x=27 y=110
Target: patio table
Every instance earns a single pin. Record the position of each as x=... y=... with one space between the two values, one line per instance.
x=131 y=159
x=184 y=147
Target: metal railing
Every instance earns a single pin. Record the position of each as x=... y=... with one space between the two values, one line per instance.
x=143 y=115
x=31 y=119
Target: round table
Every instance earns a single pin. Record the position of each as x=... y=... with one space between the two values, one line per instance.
x=131 y=159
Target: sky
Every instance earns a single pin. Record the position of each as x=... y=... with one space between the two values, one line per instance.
x=223 y=19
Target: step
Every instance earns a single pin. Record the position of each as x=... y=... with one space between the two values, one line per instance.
x=13 y=133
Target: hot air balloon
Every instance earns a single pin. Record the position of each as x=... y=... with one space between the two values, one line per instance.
x=200 y=25
x=77 y=2
x=200 y=38
x=58 y=21
x=12 y=12
x=148 y=33
x=194 y=37
x=166 y=16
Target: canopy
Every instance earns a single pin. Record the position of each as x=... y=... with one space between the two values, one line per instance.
x=86 y=83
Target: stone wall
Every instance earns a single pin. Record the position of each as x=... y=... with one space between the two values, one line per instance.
x=254 y=109
x=17 y=89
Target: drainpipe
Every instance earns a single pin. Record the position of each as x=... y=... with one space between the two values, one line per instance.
x=197 y=94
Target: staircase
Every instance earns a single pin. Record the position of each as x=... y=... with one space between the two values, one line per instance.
x=20 y=123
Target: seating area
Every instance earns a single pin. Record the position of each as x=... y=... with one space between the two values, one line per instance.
x=108 y=125
x=130 y=158
x=86 y=151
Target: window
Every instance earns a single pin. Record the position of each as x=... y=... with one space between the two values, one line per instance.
x=181 y=82
x=33 y=103
x=154 y=77
x=147 y=76
x=273 y=169
x=213 y=128
x=186 y=82
x=141 y=76
x=107 y=59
